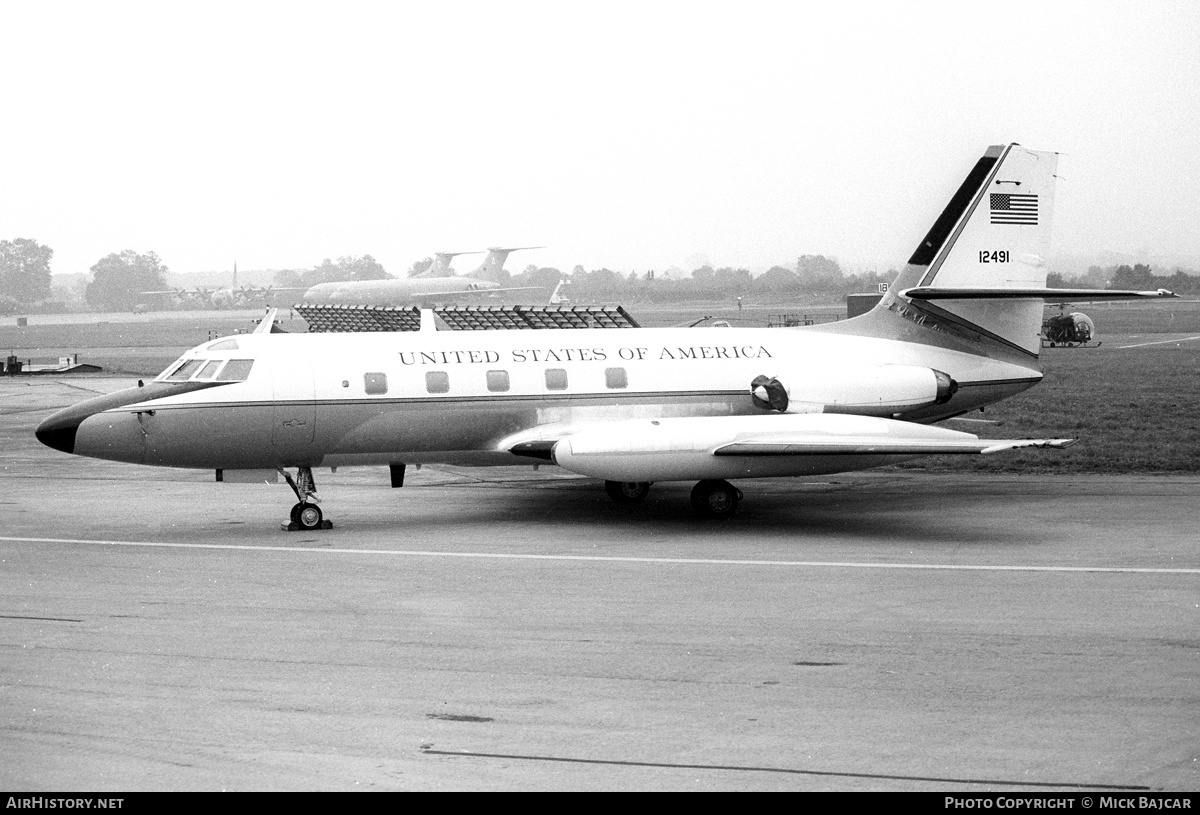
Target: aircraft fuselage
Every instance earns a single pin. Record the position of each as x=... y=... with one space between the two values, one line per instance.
x=466 y=397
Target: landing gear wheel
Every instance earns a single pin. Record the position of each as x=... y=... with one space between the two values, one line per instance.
x=715 y=499
x=627 y=492
x=307 y=516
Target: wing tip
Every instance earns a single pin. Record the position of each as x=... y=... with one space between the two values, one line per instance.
x=1017 y=444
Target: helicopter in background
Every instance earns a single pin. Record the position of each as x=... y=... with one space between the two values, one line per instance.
x=1069 y=330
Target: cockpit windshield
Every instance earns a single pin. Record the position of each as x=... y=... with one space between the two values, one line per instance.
x=209 y=370
x=185 y=370
x=233 y=370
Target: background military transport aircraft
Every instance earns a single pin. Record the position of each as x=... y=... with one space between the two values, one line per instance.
x=958 y=330
x=437 y=284
x=227 y=297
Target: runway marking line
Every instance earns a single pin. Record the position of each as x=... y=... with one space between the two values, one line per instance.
x=1159 y=342
x=607 y=558
x=784 y=770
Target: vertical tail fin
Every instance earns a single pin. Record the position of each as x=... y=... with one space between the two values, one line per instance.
x=441 y=264
x=494 y=262
x=993 y=235
x=557 y=298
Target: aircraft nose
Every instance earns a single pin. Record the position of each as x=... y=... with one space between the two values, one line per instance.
x=118 y=435
x=58 y=431
x=61 y=430
x=86 y=430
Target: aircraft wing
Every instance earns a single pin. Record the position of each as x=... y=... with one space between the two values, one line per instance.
x=874 y=447
x=1047 y=295
x=676 y=449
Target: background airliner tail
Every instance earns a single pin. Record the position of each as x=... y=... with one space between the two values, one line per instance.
x=494 y=262
x=441 y=264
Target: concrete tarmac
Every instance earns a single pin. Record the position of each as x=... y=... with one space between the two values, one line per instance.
x=512 y=630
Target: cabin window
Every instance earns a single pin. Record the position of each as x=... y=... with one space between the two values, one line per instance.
x=185 y=370
x=224 y=345
x=616 y=378
x=437 y=382
x=209 y=370
x=236 y=370
x=497 y=381
x=556 y=379
x=375 y=383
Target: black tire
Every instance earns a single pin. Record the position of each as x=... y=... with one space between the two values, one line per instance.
x=307 y=516
x=715 y=499
x=627 y=492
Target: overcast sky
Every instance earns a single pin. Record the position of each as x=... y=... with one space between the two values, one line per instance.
x=632 y=135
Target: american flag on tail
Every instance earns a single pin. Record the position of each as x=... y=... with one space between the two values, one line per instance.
x=1014 y=208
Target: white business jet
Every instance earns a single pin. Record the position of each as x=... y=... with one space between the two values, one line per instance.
x=958 y=330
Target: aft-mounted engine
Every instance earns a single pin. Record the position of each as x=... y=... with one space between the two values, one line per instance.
x=877 y=390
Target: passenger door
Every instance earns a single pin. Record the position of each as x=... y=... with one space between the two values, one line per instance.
x=294 y=410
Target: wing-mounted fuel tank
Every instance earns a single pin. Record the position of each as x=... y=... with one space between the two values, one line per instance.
x=876 y=390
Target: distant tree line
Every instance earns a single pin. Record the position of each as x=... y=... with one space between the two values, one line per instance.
x=122 y=280
x=814 y=279
x=24 y=273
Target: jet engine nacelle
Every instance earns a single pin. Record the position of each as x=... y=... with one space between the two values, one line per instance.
x=876 y=390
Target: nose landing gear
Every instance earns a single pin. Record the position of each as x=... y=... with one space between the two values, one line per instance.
x=306 y=515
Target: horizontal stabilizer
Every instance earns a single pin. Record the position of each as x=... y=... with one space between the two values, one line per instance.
x=1046 y=295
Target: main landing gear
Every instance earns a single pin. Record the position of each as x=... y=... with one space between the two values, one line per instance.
x=627 y=492
x=715 y=499
x=710 y=499
x=306 y=515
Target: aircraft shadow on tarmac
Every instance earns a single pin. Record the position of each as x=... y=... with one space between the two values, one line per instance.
x=772 y=509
